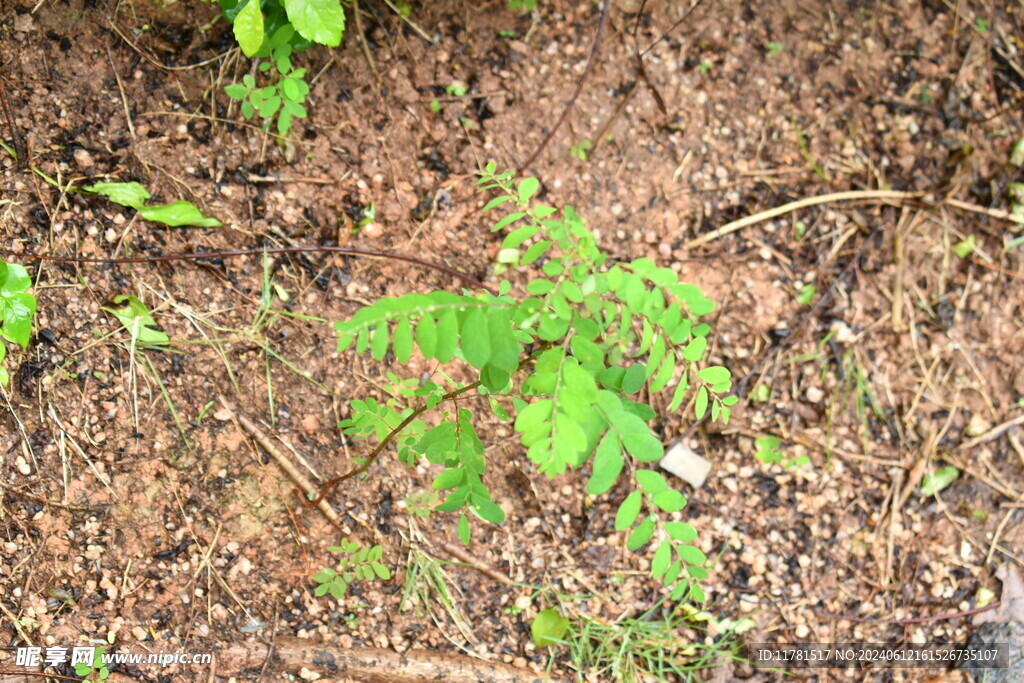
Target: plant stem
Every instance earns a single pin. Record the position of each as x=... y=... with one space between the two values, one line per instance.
x=330 y=484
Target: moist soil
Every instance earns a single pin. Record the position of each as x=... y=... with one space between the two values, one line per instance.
x=880 y=338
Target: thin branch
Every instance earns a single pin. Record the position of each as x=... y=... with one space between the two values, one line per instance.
x=330 y=484
x=301 y=249
x=672 y=28
x=579 y=88
x=19 y=143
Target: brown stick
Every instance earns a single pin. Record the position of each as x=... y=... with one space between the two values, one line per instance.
x=371 y=665
x=306 y=487
x=19 y=143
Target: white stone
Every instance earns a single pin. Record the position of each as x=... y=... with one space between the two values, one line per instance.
x=685 y=463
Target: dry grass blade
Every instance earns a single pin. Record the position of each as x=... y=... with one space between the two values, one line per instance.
x=851 y=195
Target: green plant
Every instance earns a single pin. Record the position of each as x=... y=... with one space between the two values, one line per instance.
x=285 y=97
x=580 y=149
x=1016 y=157
x=276 y=29
x=137 y=319
x=761 y=393
x=650 y=646
x=565 y=358
x=966 y=247
x=806 y=295
x=457 y=89
x=774 y=49
x=548 y=627
x=17 y=309
x=937 y=480
x=705 y=67
x=768 y=450
x=522 y=5
x=356 y=563
x=134 y=195
x=96 y=670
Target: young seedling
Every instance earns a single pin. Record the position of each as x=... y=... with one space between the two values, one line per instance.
x=276 y=29
x=565 y=358
x=355 y=563
x=580 y=149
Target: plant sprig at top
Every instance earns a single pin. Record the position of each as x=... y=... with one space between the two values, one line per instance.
x=563 y=363
x=17 y=308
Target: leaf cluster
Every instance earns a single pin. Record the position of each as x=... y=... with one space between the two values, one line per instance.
x=276 y=30
x=356 y=563
x=284 y=97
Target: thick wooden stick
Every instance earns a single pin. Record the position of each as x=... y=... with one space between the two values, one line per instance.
x=371 y=665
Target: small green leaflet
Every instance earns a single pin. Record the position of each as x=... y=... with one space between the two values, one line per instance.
x=628 y=511
x=178 y=214
x=321 y=21
x=125 y=194
x=548 y=627
x=635 y=377
x=136 y=318
x=608 y=463
x=527 y=188
x=936 y=481
x=662 y=559
x=701 y=405
x=248 y=28
x=641 y=534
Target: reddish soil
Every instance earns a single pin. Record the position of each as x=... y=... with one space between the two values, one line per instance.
x=173 y=530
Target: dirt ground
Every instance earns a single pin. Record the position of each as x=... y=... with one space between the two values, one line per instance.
x=136 y=510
